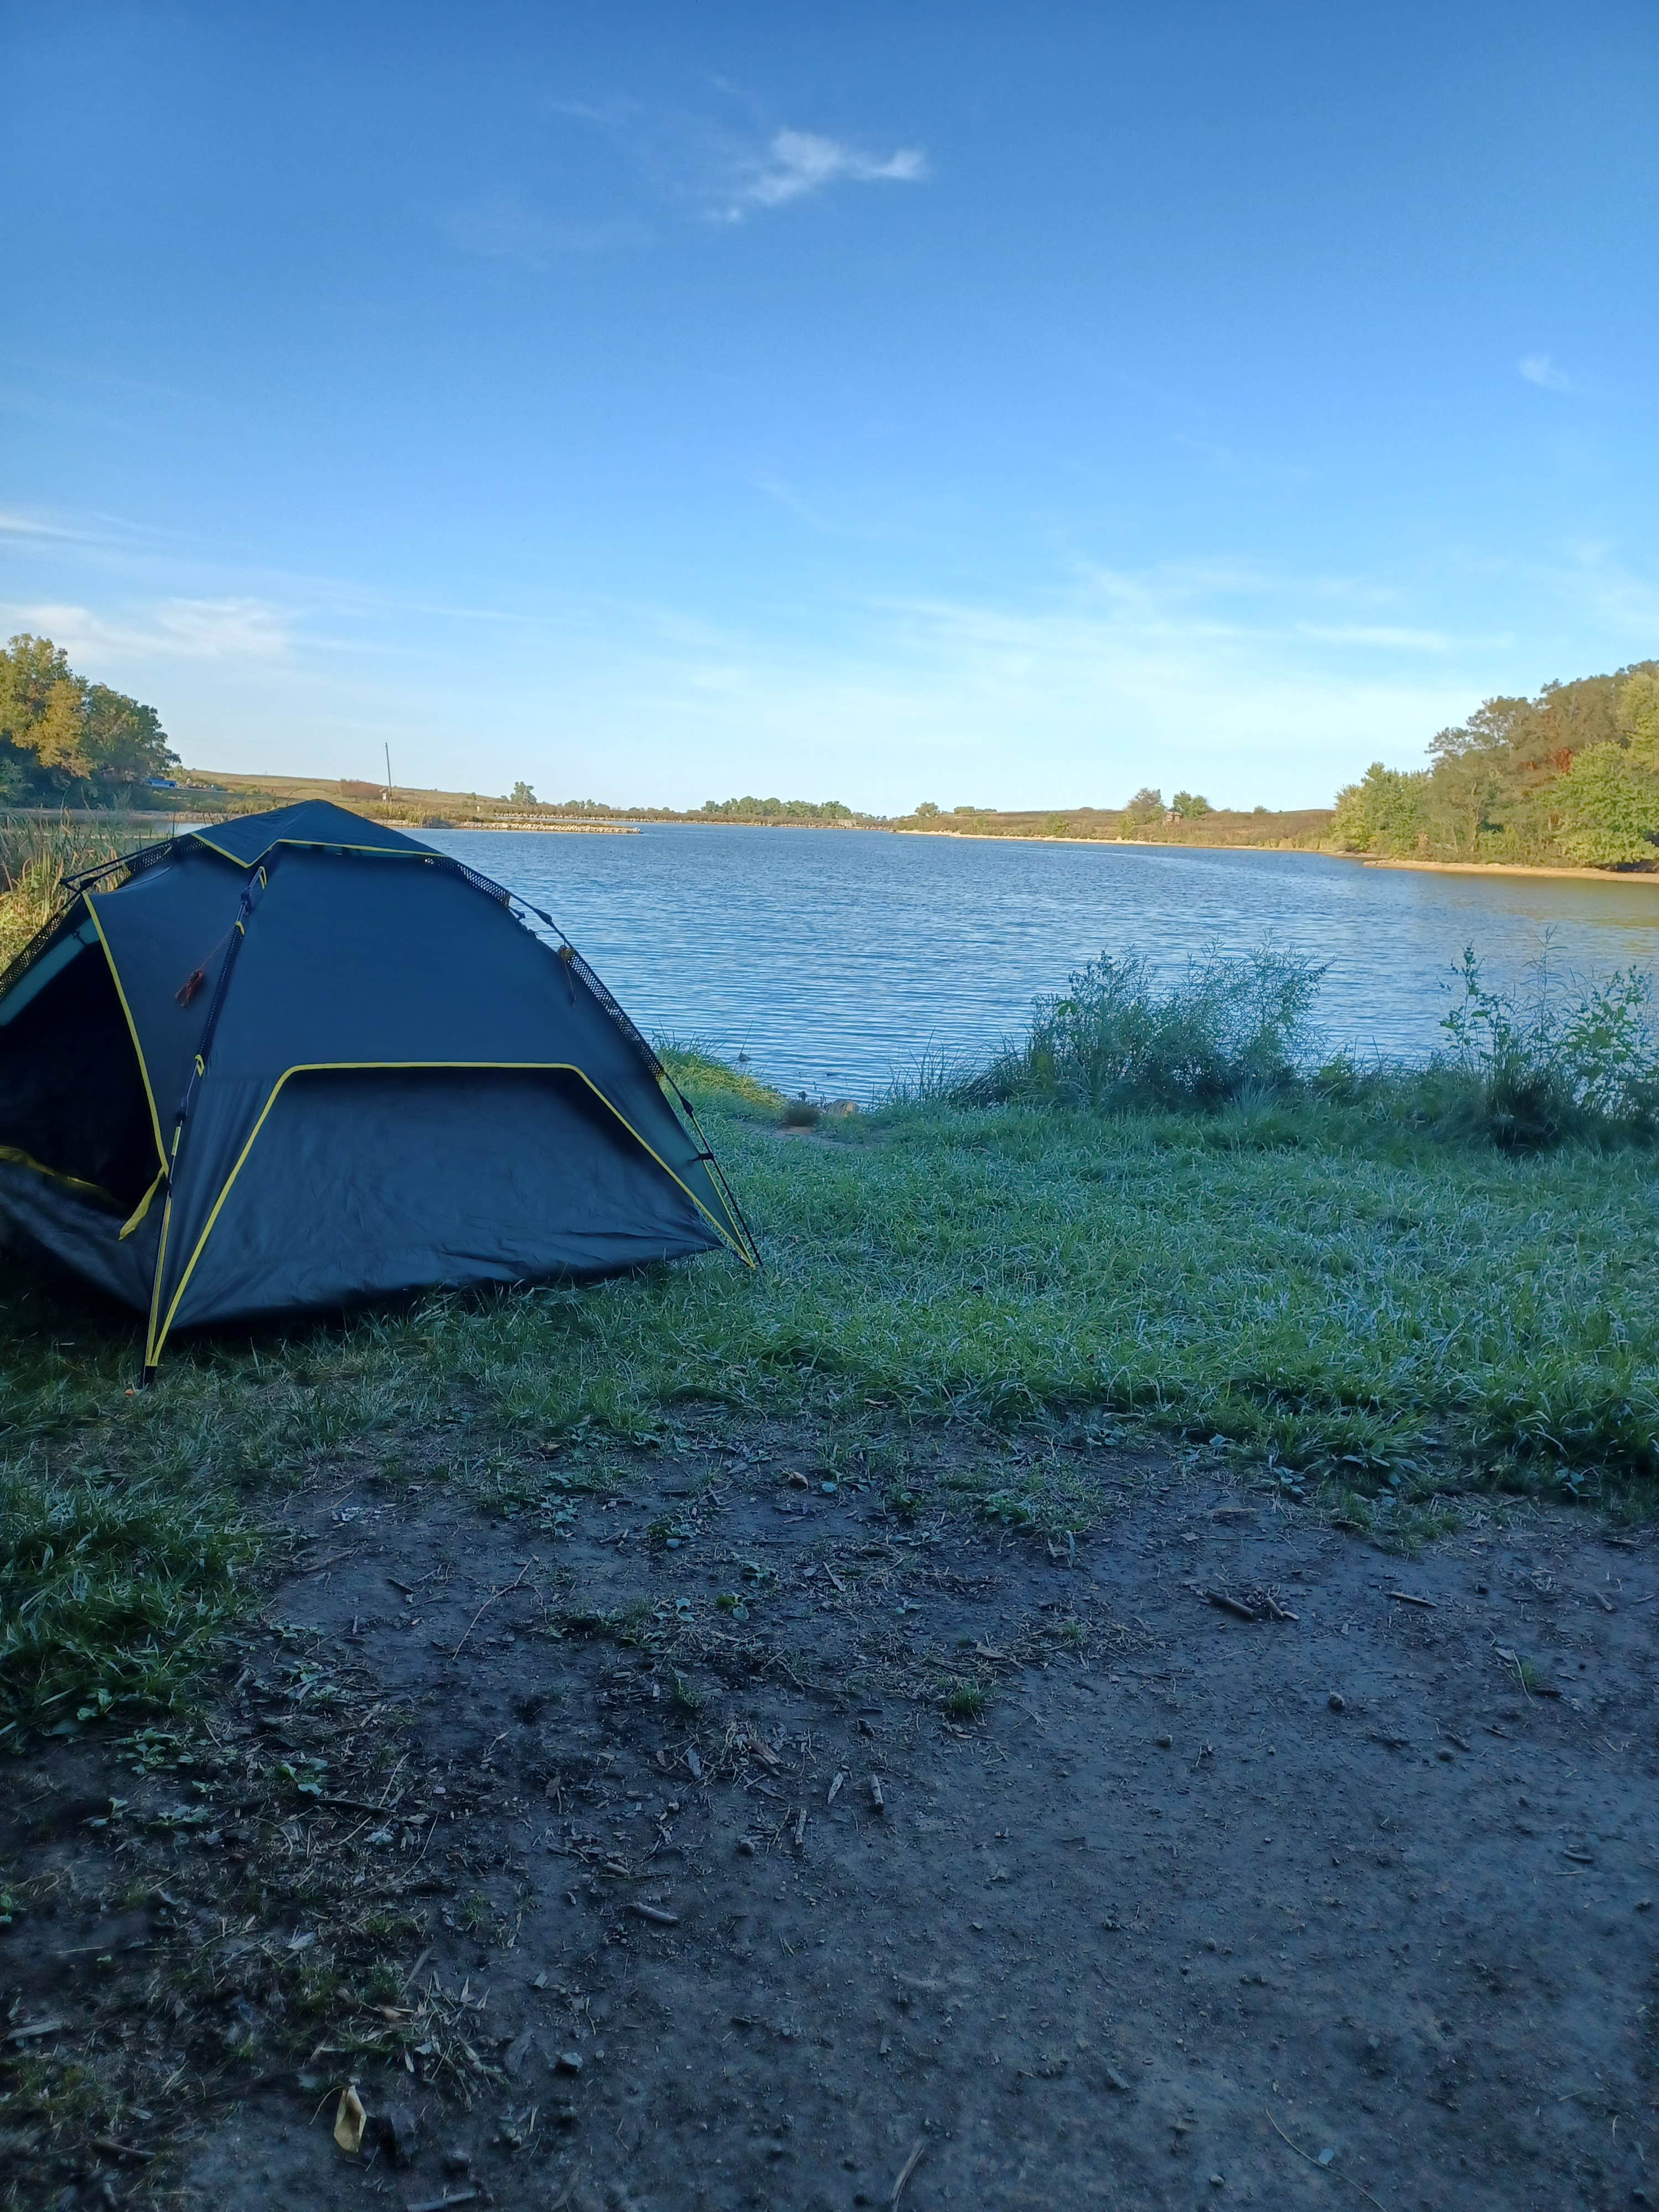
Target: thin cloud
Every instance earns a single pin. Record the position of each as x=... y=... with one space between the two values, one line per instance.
x=25 y=526
x=723 y=172
x=797 y=163
x=1537 y=368
x=502 y=228
x=179 y=629
x=1391 y=637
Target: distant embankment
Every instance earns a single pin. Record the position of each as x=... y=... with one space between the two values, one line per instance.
x=1303 y=828
x=216 y=791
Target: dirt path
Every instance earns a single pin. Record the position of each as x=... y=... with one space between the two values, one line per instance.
x=594 y=1897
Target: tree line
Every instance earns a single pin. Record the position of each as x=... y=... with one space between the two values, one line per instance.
x=1570 y=777
x=66 y=741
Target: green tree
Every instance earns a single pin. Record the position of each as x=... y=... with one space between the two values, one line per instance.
x=1384 y=811
x=122 y=741
x=1144 y=808
x=926 y=810
x=1460 y=797
x=521 y=795
x=1493 y=728
x=40 y=709
x=1190 y=805
x=58 y=731
x=1638 y=717
x=1609 y=807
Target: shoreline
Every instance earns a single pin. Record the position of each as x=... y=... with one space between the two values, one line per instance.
x=1132 y=844
x=1497 y=868
x=633 y=829
x=1195 y=845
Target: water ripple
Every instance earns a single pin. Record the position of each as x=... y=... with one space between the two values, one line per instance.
x=838 y=960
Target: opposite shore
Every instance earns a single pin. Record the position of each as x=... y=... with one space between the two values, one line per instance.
x=1312 y=852
x=137 y=818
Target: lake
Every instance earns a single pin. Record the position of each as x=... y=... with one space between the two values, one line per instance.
x=838 y=960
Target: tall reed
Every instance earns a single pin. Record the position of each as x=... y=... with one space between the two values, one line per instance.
x=36 y=855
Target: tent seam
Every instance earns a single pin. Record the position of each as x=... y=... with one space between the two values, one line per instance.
x=334 y=1066
x=132 y=1032
x=233 y=939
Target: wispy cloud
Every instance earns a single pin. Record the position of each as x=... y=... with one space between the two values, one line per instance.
x=796 y=163
x=179 y=629
x=29 y=526
x=721 y=170
x=1537 y=368
x=1391 y=637
x=502 y=228
x=22 y=530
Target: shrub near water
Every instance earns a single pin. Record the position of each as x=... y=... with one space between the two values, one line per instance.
x=1560 y=1058
x=1535 y=1068
x=1231 y=1027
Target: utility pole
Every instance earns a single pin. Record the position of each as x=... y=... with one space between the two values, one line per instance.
x=388 y=768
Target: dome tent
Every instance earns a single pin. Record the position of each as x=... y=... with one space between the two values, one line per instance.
x=298 y=1060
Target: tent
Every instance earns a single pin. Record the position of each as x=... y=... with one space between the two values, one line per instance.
x=296 y=1060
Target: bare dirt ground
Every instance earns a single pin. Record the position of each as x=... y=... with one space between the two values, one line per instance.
x=725 y=1841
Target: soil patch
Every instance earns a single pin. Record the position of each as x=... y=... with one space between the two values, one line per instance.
x=734 y=1842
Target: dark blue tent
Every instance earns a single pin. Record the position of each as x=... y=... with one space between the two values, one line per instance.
x=297 y=1060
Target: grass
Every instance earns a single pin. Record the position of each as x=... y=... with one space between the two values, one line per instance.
x=35 y=856
x=1367 y=1307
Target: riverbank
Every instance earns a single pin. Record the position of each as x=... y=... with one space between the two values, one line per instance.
x=1037 y=837
x=1382 y=1315
x=429 y=1696
x=1502 y=868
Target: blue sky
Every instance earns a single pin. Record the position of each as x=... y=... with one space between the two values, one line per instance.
x=981 y=402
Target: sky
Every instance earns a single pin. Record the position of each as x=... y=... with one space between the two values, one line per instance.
x=988 y=404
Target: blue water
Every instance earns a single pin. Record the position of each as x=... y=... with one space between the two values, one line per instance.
x=838 y=960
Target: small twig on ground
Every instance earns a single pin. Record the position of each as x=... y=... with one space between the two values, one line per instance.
x=1316 y=2166
x=907 y=2170
x=506 y=1591
x=128 y=2150
x=1405 y=1597
x=322 y=1565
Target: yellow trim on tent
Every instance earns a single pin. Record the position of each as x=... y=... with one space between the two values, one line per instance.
x=317 y=845
x=152 y=1342
x=143 y=1206
x=23 y=1159
x=132 y=1031
x=344 y=1066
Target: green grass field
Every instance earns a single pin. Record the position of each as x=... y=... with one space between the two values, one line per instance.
x=1368 y=1313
